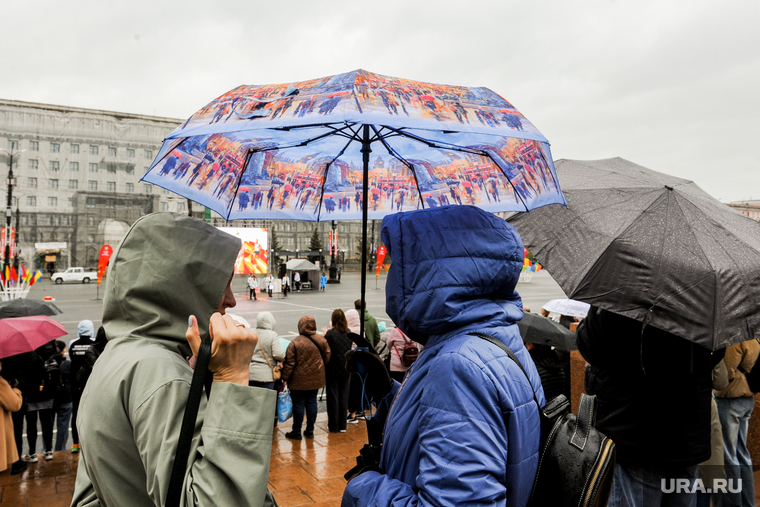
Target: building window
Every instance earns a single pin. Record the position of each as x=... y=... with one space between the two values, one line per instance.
x=31 y=200
x=93 y=168
x=92 y=185
x=111 y=168
x=74 y=148
x=130 y=169
x=164 y=191
x=111 y=186
x=110 y=203
x=33 y=163
x=148 y=189
x=13 y=145
x=55 y=147
x=130 y=153
x=181 y=206
x=148 y=153
x=93 y=149
x=32 y=182
x=73 y=184
x=34 y=146
x=53 y=184
x=71 y=202
x=91 y=219
x=164 y=206
x=128 y=204
x=52 y=201
x=90 y=204
x=130 y=187
x=74 y=166
x=54 y=165
x=24 y=220
x=111 y=151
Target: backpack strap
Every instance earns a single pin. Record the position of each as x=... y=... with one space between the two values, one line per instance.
x=513 y=357
x=586 y=420
x=174 y=493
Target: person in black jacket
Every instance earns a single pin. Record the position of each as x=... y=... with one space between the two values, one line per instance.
x=62 y=403
x=43 y=387
x=653 y=390
x=338 y=379
x=77 y=350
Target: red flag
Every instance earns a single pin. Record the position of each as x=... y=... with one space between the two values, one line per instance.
x=381 y=251
x=105 y=256
x=14 y=275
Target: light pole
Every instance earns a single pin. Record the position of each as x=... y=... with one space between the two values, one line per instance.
x=333 y=250
x=8 y=209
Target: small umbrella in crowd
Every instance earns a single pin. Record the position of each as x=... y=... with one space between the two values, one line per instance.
x=652 y=247
x=349 y=136
x=568 y=307
x=22 y=307
x=542 y=330
x=25 y=334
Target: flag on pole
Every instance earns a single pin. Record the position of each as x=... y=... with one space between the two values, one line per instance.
x=24 y=274
x=36 y=276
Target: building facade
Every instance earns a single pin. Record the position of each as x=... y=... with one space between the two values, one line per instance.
x=77 y=182
x=748 y=208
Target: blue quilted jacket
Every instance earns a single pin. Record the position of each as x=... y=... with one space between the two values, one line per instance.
x=463 y=428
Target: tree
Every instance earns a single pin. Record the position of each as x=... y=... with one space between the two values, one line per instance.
x=315 y=245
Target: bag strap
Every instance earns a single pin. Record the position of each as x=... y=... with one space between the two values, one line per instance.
x=318 y=349
x=265 y=355
x=513 y=357
x=185 y=441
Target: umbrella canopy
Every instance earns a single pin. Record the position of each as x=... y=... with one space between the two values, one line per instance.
x=539 y=329
x=568 y=307
x=345 y=134
x=25 y=334
x=23 y=307
x=651 y=247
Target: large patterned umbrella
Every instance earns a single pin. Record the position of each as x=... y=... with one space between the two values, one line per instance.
x=375 y=144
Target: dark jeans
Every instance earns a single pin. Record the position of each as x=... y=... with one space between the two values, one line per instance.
x=251 y=293
x=643 y=487
x=46 y=421
x=75 y=398
x=337 y=402
x=263 y=385
x=18 y=426
x=301 y=400
x=63 y=416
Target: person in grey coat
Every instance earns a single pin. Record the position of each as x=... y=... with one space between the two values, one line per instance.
x=268 y=353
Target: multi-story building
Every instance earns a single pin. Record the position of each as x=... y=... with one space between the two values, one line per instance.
x=749 y=208
x=77 y=184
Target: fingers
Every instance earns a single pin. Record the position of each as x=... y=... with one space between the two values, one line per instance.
x=193 y=334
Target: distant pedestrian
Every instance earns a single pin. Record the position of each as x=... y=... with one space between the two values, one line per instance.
x=323 y=281
x=253 y=284
x=285 y=285
x=297 y=280
x=338 y=379
x=270 y=285
x=371 y=331
x=304 y=372
x=735 y=406
x=268 y=353
x=397 y=343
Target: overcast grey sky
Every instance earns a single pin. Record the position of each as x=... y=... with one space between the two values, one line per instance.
x=673 y=86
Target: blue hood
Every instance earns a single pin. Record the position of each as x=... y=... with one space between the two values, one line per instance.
x=452 y=267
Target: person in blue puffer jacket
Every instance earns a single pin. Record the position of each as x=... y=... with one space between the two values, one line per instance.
x=463 y=428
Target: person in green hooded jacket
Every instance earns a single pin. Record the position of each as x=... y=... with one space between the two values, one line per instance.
x=168 y=270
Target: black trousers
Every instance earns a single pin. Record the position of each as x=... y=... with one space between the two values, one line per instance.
x=46 y=422
x=337 y=402
x=18 y=426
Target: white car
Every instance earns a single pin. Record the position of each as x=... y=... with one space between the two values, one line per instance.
x=74 y=275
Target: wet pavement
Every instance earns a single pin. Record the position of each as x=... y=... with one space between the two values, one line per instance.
x=306 y=472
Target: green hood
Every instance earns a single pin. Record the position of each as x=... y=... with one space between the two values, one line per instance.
x=167 y=268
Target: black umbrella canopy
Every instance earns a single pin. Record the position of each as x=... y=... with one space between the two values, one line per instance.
x=652 y=247
x=23 y=307
x=542 y=330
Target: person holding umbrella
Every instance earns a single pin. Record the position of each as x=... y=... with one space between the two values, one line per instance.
x=154 y=315
x=654 y=391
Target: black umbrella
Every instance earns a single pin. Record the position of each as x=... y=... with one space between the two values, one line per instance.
x=23 y=307
x=652 y=247
x=543 y=330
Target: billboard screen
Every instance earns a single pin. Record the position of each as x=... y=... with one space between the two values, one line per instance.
x=253 y=257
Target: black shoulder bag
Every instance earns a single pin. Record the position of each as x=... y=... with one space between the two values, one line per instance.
x=200 y=375
x=576 y=461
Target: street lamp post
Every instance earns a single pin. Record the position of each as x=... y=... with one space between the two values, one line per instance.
x=333 y=267
x=8 y=211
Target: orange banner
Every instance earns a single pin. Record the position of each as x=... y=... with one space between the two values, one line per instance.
x=105 y=256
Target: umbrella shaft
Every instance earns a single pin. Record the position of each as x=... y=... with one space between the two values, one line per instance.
x=366 y=150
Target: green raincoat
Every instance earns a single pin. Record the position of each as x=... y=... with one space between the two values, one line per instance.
x=168 y=267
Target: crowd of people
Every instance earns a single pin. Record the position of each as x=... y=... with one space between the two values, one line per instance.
x=457 y=421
